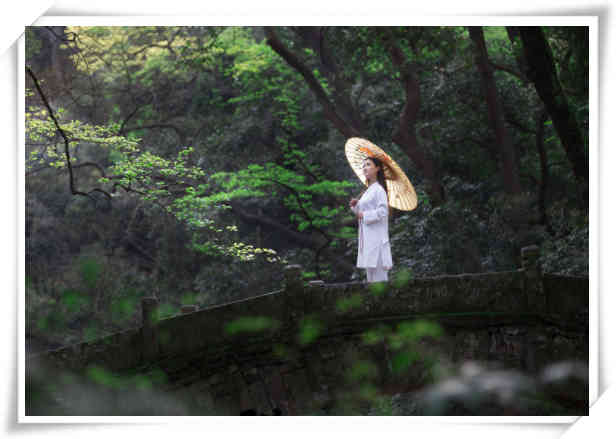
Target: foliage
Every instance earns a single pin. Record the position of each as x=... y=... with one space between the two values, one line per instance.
x=41 y=132
x=33 y=43
x=310 y=328
x=181 y=124
x=155 y=178
x=299 y=195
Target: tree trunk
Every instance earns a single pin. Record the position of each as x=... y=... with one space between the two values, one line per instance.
x=510 y=172
x=516 y=44
x=541 y=118
x=405 y=134
x=542 y=72
x=328 y=107
x=314 y=37
x=343 y=115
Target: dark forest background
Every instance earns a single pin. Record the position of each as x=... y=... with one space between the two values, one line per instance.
x=194 y=163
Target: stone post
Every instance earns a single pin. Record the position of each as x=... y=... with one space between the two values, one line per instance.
x=293 y=278
x=149 y=309
x=293 y=291
x=535 y=293
x=533 y=279
x=187 y=309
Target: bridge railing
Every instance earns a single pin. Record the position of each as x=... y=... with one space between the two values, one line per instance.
x=463 y=299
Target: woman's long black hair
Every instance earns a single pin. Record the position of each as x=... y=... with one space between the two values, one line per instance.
x=380 y=178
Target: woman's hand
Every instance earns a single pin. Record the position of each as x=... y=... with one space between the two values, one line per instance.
x=353 y=204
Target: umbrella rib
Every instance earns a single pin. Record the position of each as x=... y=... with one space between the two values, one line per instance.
x=402 y=193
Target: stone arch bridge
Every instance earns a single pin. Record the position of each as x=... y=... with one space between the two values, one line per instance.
x=301 y=349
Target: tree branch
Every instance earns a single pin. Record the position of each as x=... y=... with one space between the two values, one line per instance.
x=180 y=134
x=330 y=111
x=124 y=122
x=92 y=164
x=299 y=238
x=511 y=119
x=63 y=134
x=509 y=70
x=301 y=205
x=404 y=134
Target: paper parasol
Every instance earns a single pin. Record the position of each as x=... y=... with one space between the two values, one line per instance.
x=401 y=193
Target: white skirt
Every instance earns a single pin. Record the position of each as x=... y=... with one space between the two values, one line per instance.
x=377 y=274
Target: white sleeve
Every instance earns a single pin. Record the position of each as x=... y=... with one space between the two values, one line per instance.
x=381 y=211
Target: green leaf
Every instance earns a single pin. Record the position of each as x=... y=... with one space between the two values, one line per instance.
x=310 y=328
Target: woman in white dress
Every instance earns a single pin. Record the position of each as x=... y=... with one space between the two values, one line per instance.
x=372 y=211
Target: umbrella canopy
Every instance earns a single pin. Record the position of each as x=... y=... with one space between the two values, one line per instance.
x=401 y=192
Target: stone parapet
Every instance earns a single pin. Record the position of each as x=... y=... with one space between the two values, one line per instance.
x=306 y=331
